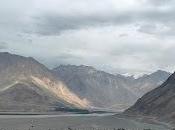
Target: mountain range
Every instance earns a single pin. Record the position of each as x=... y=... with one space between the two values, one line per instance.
x=104 y=90
x=27 y=85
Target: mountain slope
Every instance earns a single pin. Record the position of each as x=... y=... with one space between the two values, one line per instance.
x=33 y=79
x=105 y=90
x=160 y=102
x=26 y=97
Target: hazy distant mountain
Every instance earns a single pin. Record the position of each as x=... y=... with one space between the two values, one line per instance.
x=105 y=90
x=160 y=102
x=27 y=85
x=147 y=83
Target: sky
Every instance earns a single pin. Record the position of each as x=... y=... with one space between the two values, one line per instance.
x=117 y=36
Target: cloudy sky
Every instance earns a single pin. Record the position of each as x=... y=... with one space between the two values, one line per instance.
x=118 y=36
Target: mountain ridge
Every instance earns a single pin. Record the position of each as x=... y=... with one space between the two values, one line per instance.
x=81 y=78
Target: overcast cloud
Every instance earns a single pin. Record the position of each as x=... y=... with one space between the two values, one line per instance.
x=118 y=36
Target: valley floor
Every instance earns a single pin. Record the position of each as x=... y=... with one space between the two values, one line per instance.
x=73 y=122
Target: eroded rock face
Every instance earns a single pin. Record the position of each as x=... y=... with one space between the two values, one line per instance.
x=61 y=91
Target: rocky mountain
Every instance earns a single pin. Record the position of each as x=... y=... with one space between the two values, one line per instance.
x=27 y=85
x=104 y=90
x=159 y=103
x=100 y=88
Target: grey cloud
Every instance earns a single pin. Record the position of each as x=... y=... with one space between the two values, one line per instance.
x=159 y=2
x=62 y=58
x=148 y=28
x=162 y=59
x=162 y=30
x=123 y=35
x=131 y=49
x=54 y=24
x=22 y=23
x=3 y=45
x=67 y=57
x=159 y=16
x=159 y=22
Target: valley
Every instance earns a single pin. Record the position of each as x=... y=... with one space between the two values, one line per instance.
x=87 y=65
x=78 y=121
x=80 y=96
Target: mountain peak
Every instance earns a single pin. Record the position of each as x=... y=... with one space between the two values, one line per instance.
x=27 y=71
x=161 y=71
x=20 y=65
